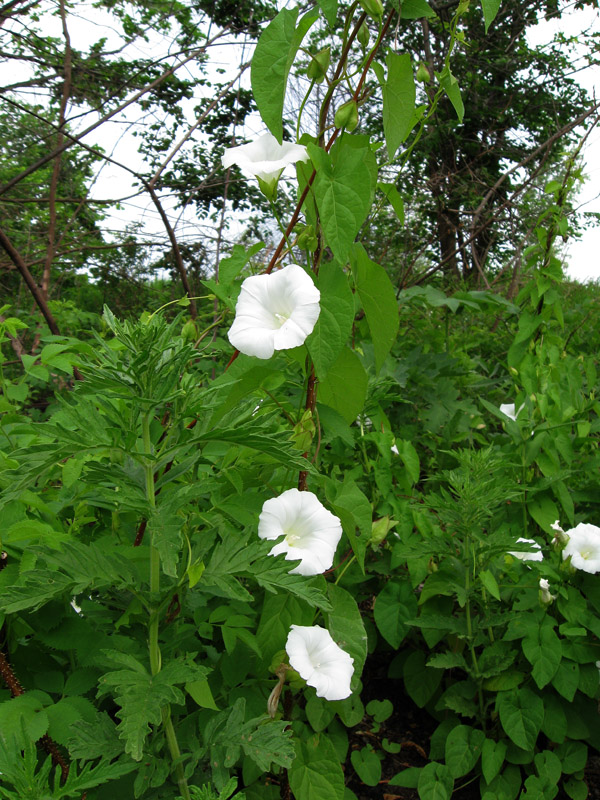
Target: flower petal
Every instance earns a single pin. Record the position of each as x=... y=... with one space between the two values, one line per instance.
x=274 y=312
x=318 y=659
x=311 y=532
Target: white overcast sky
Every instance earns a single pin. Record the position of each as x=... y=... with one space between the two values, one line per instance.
x=583 y=257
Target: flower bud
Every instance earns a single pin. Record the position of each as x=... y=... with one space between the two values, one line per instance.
x=307 y=239
x=423 y=73
x=379 y=530
x=347 y=116
x=374 y=8
x=363 y=36
x=304 y=430
x=319 y=64
x=189 y=332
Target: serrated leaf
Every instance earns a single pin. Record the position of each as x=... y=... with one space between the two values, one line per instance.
x=399 y=94
x=272 y=61
x=142 y=696
x=335 y=318
x=90 y=740
x=165 y=529
x=378 y=299
x=23 y=715
x=447 y=661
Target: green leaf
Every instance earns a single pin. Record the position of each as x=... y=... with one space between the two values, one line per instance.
x=410 y=459
x=345 y=387
x=490 y=583
x=272 y=61
x=548 y=767
x=394 y=604
x=450 y=85
x=316 y=772
x=463 y=748
x=200 y=691
x=409 y=778
x=566 y=679
x=278 y=614
x=490 y=9
x=230 y=267
x=346 y=626
x=420 y=681
x=544 y=511
x=504 y=786
x=576 y=789
x=344 y=188
x=399 y=94
x=543 y=650
x=521 y=714
x=555 y=720
x=416 y=9
x=319 y=712
x=435 y=782
x=394 y=199
x=334 y=324
x=378 y=299
x=573 y=756
x=141 y=697
x=165 y=529
x=63 y=714
x=23 y=715
x=90 y=740
x=492 y=758
x=354 y=510
x=367 y=765
x=329 y=8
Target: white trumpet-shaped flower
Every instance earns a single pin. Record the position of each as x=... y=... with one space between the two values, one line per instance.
x=311 y=533
x=274 y=312
x=584 y=547
x=265 y=158
x=508 y=409
x=318 y=659
x=545 y=595
x=534 y=555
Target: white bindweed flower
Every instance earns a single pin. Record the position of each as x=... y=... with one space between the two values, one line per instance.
x=584 y=547
x=275 y=312
x=508 y=409
x=534 y=555
x=394 y=449
x=311 y=533
x=265 y=159
x=319 y=660
x=545 y=595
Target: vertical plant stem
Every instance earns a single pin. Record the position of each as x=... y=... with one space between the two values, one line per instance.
x=155 y=660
